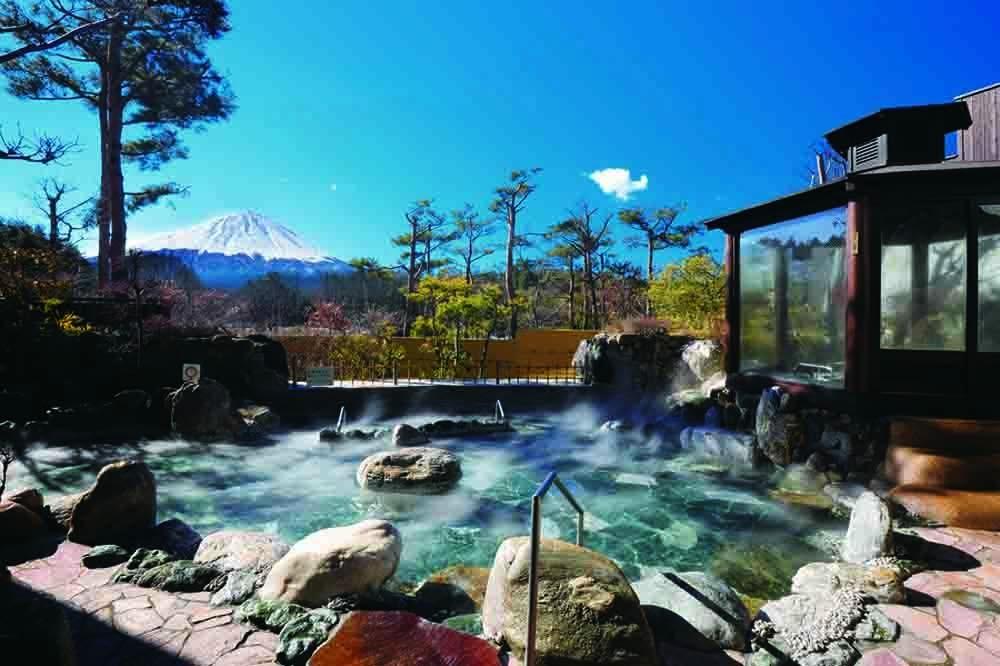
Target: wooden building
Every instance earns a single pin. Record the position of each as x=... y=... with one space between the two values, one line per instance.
x=878 y=292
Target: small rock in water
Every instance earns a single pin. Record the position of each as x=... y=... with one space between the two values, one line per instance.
x=869 y=534
x=100 y=557
x=406 y=435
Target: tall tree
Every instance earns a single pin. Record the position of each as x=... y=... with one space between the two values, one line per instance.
x=508 y=202
x=568 y=254
x=50 y=203
x=144 y=68
x=411 y=260
x=470 y=229
x=434 y=235
x=657 y=231
x=587 y=236
x=368 y=267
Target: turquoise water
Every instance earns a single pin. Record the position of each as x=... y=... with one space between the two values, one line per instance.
x=647 y=507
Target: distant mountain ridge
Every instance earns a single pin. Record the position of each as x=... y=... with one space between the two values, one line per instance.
x=230 y=250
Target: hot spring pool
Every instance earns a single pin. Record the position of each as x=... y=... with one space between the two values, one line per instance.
x=647 y=507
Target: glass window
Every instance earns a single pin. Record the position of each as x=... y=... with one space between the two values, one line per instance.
x=793 y=295
x=988 y=216
x=923 y=276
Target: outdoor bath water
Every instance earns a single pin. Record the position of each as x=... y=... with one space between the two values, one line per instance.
x=647 y=506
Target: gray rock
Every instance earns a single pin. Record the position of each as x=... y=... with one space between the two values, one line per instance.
x=876 y=626
x=141 y=561
x=268 y=615
x=839 y=653
x=810 y=625
x=119 y=507
x=406 y=435
x=412 y=470
x=204 y=412
x=802 y=479
x=100 y=557
x=301 y=636
x=174 y=536
x=697 y=598
x=869 y=534
x=844 y=493
x=819 y=579
x=237 y=550
x=837 y=444
x=724 y=445
x=238 y=587
x=179 y=576
x=780 y=434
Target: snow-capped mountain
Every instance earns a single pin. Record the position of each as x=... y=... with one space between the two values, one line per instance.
x=229 y=250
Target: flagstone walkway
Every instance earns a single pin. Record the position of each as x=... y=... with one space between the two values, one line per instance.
x=117 y=623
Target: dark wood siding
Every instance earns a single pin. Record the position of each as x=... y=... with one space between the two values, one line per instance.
x=981 y=142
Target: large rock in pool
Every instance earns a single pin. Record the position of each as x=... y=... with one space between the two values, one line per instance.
x=694 y=610
x=174 y=536
x=117 y=508
x=204 y=412
x=588 y=613
x=719 y=444
x=400 y=639
x=406 y=435
x=19 y=524
x=414 y=470
x=335 y=562
x=869 y=534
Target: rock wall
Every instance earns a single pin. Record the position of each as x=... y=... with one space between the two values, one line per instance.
x=646 y=363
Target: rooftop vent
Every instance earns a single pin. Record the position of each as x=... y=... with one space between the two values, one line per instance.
x=899 y=135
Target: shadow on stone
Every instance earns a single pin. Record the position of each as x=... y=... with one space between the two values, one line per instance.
x=39 y=627
x=937 y=556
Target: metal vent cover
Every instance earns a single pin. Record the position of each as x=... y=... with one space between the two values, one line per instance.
x=871 y=153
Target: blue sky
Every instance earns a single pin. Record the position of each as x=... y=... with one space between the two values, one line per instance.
x=349 y=111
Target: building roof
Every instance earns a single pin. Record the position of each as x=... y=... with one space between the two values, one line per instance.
x=926 y=118
x=977 y=91
x=835 y=193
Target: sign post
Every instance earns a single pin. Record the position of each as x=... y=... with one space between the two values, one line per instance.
x=319 y=376
x=191 y=373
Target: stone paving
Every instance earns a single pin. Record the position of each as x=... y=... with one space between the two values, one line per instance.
x=954 y=619
x=116 y=623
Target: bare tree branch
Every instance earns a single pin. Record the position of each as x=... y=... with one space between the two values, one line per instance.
x=53 y=43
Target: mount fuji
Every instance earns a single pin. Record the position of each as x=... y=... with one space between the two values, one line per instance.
x=230 y=250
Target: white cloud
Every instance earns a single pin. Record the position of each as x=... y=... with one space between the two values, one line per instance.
x=618 y=182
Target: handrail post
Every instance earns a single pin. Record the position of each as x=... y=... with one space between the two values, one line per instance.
x=536 y=544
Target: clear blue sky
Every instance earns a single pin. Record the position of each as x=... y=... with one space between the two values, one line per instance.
x=716 y=103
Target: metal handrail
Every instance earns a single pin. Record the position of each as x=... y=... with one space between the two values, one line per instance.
x=536 y=543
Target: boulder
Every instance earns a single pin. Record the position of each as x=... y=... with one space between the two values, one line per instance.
x=797 y=478
x=237 y=588
x=588 y=613
x=844 y=493
x=30 y=498
x=457 y=590
x=880 y=584
x=810 y=625
x=268 y=615
x=100 y=557
x=780 y=434
x=141 y=561
x=174 y=536
x=869 y=534
x=398 y=639
x=464 y=428
x=131 y=401
x=335 y=562
x=717 y=443
x=178 y=576
x=118 y=507
x=19 y=524
x=704 y=612
x=204 y=412
x=331 y=434
x=413 y=470
x=236 y=550
x=649 y=361
x=406 y=435
x=302 y=635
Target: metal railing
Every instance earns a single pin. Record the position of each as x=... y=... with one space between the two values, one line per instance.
x=536 y=544
x=425 y=372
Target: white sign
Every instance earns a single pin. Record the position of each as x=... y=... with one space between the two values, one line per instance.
x=191 y=373
x=319 y=376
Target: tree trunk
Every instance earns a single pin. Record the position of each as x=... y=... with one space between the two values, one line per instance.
x=411 y=281
x=104 y=201
x=53 y=223
x=509 y=274
x=468 y=264
x=649 y=276
x=589 y=293
x=116 y=184
x=572 y=295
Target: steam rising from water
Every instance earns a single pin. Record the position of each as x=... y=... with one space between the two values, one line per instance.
x=647 y=506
